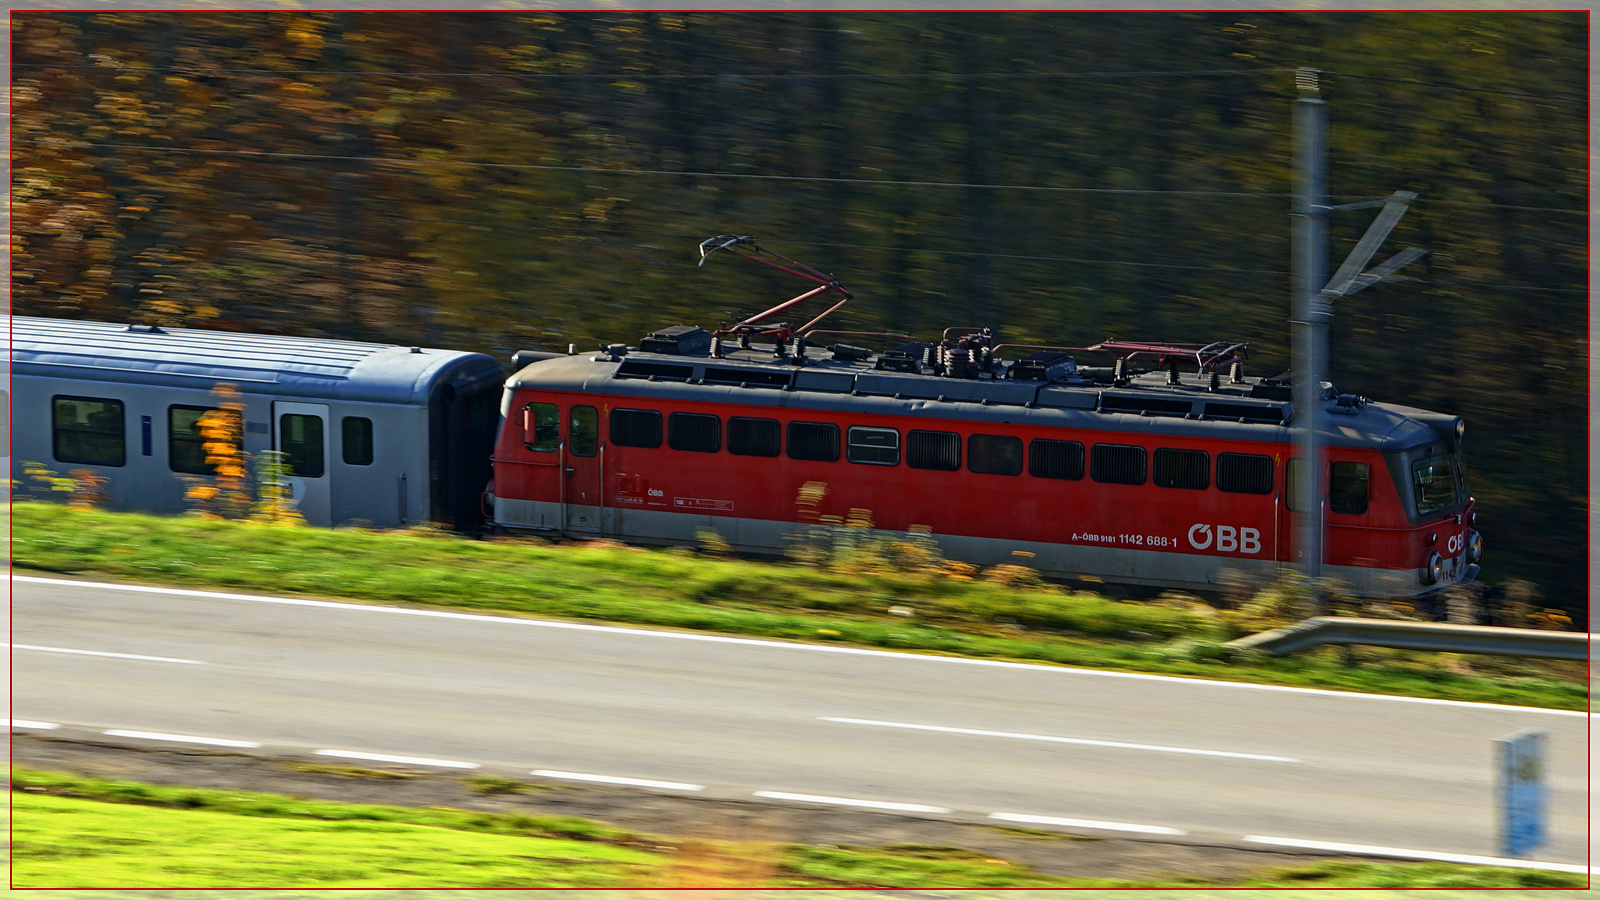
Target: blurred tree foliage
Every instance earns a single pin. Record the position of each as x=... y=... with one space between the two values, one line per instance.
x=523 y=179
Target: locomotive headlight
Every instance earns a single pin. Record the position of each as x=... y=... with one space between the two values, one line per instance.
x=1435 y=570
x=1475 y=547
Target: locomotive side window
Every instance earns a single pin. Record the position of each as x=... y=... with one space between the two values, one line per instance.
x=1347 y=488
x=1055 y=459
x=186 y=438
x=1291 y=486
x=1434 y=483
x=875 y=446
x=817 y=441
x=694 y=431
x=300 y=437
x=939 y=450
x=754 y=437
x=636 y=428
x=994 y=454
x=88 y=430
x=1117 y=464
x=583 y=434
x=1189 y=469
x=356 y=432
x=541 y=427
x=1244 y=473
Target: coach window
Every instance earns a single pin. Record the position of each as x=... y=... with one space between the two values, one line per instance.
x=300 y=439
x=694 y=431
x=188 y=430
x=1117 y=464
x=815 y=441
x=1347 y=488
x=88 y=430
x=939 y=450
x=356 y=440
x=1055 y=459
x=874 y=446
x=754 y=437
x=636 y=428
x=1244 y=473
x=1188 y=469
x=994 y=454
x=541 y=427
x=583 y=431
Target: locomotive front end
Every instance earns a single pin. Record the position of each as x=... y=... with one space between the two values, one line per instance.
x=1433 y=480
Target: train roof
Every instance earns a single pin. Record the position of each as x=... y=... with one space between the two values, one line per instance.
x=1254 y=409
x=256 y=363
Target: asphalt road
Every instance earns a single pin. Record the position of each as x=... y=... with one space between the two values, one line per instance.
x=741 y=716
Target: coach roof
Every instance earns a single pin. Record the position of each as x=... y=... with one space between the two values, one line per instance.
x=262 y=364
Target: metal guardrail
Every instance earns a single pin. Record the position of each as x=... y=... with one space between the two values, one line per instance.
x=1401 y=635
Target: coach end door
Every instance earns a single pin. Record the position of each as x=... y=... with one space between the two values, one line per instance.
x=582 y=503
x=300 y=431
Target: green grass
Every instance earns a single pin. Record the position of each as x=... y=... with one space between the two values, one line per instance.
x=681 y=589
x=85 y=833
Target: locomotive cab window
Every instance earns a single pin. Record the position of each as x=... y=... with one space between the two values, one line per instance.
x=994 y=454
x=300 y=439
x=816 y=441
x=356 y=443
x=88 y=430
x=1347 y=488
x=1434 y=482
x=754 y=437
x=541 y=427
x=636 y=428
x=694 y=431
x=1244 y=473
x=190 y=428
x=874 y=446
x=1189 y=469
x=939 y=450
x=1117 y=464
x=1055 y=459
x=583 y=431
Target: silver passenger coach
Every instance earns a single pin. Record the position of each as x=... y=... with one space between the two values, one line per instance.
x=372 y=434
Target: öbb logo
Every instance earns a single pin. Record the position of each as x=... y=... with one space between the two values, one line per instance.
x=1228 y=539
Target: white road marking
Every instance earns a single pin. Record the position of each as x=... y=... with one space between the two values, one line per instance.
x=616 y=779
x=1435 y=855
x=26 y=723
x=180 y=738
x=815 y=648
x=384 y=757
x=1084 y=823
x=165 y=659
x=1118 y=745
x=846 y=801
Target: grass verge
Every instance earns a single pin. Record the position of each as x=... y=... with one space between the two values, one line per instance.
x=921 y=609
x=85 y=833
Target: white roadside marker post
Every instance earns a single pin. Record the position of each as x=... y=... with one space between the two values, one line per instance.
x=1523 y=798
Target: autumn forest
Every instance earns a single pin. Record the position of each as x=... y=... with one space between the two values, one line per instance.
x=507 y=180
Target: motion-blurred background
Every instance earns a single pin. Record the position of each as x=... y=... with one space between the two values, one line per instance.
x=495 y=181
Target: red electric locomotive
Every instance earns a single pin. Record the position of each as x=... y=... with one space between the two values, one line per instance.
x=1136 y=472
